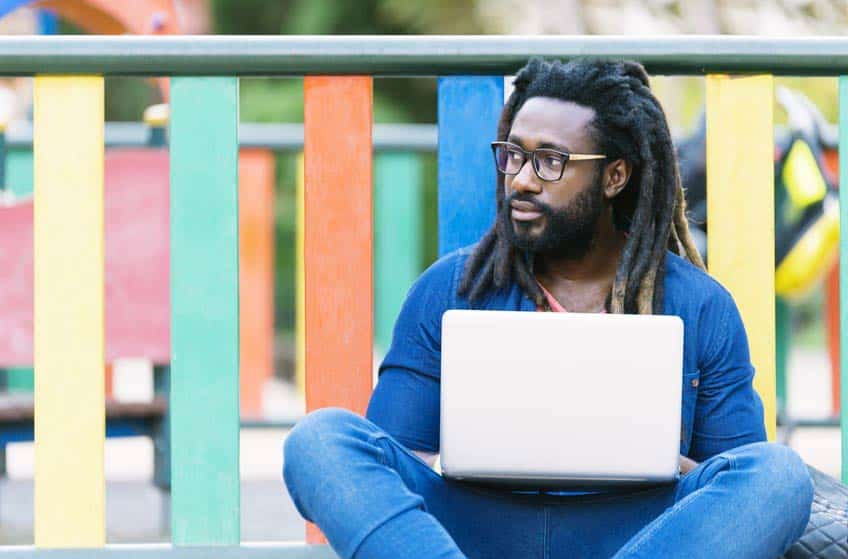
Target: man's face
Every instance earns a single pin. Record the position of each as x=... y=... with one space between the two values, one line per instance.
x=559 y=217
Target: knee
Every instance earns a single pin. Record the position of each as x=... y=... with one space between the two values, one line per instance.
x=784 y=481
x=782 y=467
x=319 y=430
x=316 y=441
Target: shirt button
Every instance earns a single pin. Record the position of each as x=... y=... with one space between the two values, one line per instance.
x=695 y=383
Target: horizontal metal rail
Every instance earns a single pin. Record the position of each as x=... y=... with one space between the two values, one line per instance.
x=281 y=137
x=422 y=55
x=149 y=551
x=271 y=423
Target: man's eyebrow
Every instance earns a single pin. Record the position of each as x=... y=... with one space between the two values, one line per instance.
x=548 y=145
x=557 y=147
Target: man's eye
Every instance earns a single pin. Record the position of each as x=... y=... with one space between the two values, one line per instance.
x=515 y=155
x=552 y=161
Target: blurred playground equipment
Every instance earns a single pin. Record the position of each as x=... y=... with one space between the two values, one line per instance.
x=806 y=225
x=70 y=239
x=137 y=287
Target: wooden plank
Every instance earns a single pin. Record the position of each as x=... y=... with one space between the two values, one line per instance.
x=68 y=241
x=469 y=108
x=158 y=551
x=204 y=310
x=337 y=243
x=397 y=243
x=843 y=265
x=256 y=276
x=740 y=203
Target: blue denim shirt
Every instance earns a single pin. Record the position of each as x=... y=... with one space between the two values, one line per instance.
x=720 y=409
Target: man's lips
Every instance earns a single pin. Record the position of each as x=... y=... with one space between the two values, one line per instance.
x=524 y=211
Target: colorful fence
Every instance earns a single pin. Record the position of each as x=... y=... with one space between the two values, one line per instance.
x=132 y=168
x=337 y=240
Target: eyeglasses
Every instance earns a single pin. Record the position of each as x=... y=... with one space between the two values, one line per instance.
x=549 y=164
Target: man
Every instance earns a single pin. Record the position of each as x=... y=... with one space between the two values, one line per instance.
x=590 y=219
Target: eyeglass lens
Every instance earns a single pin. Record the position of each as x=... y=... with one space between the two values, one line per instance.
x=548 y=164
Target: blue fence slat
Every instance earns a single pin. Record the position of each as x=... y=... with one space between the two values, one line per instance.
x=469 y=108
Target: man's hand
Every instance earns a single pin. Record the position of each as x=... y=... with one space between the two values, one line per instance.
x=687 y=465
x=429 y=458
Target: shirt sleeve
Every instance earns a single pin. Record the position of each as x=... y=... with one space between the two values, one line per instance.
x=728 y=412
x=406 y=400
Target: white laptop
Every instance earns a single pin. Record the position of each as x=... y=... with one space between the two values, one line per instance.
x=553 y=400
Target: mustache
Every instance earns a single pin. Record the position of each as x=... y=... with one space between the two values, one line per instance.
x=528 y=199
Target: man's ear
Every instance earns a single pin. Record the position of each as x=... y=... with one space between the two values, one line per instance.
x=615 y=177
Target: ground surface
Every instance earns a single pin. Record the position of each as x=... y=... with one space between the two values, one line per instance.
x=137 y=511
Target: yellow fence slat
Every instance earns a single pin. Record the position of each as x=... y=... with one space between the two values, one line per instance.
x=69 y=336
x=740 y=206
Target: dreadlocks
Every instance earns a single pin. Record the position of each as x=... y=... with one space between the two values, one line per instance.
x=629 y=124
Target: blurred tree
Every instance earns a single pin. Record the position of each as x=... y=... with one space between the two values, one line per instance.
x=395 y=100
x=331 y=16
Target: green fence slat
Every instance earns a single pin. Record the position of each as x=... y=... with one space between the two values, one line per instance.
x=204 y=311
x=19 y=180
x=783 y=331
x=843 y=265
x=397 y=236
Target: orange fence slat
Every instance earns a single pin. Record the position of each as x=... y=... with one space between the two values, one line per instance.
x=338 y=243
x=256 y=280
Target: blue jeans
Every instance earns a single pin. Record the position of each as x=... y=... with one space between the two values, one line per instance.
x=374 y=498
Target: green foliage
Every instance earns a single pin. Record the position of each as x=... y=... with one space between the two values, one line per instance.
x=271 y=100
x=823 y=91
x=318 y=17
x=249 y=17
x=126 y=98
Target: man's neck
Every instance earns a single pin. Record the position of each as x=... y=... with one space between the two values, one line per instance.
x=581 y=285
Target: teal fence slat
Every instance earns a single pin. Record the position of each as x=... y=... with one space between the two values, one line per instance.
x=19 y=171
x=204 y=311
x=843 y=265
x=783 y=330
x=397 y=240
x=469 y=108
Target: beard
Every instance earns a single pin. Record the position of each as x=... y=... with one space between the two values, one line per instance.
x=568 y=232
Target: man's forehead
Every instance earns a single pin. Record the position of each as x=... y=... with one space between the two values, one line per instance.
x=554 y=121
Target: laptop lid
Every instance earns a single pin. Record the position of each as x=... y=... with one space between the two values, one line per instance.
x=560 y=399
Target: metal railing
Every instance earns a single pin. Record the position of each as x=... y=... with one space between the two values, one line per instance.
x=424 y=55
x=275 y=136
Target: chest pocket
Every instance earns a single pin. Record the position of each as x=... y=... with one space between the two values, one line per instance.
x=689 y=396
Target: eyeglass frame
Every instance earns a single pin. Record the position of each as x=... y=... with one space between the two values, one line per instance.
x=531 y=156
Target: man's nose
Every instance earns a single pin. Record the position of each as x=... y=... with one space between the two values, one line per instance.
x=526 y=180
